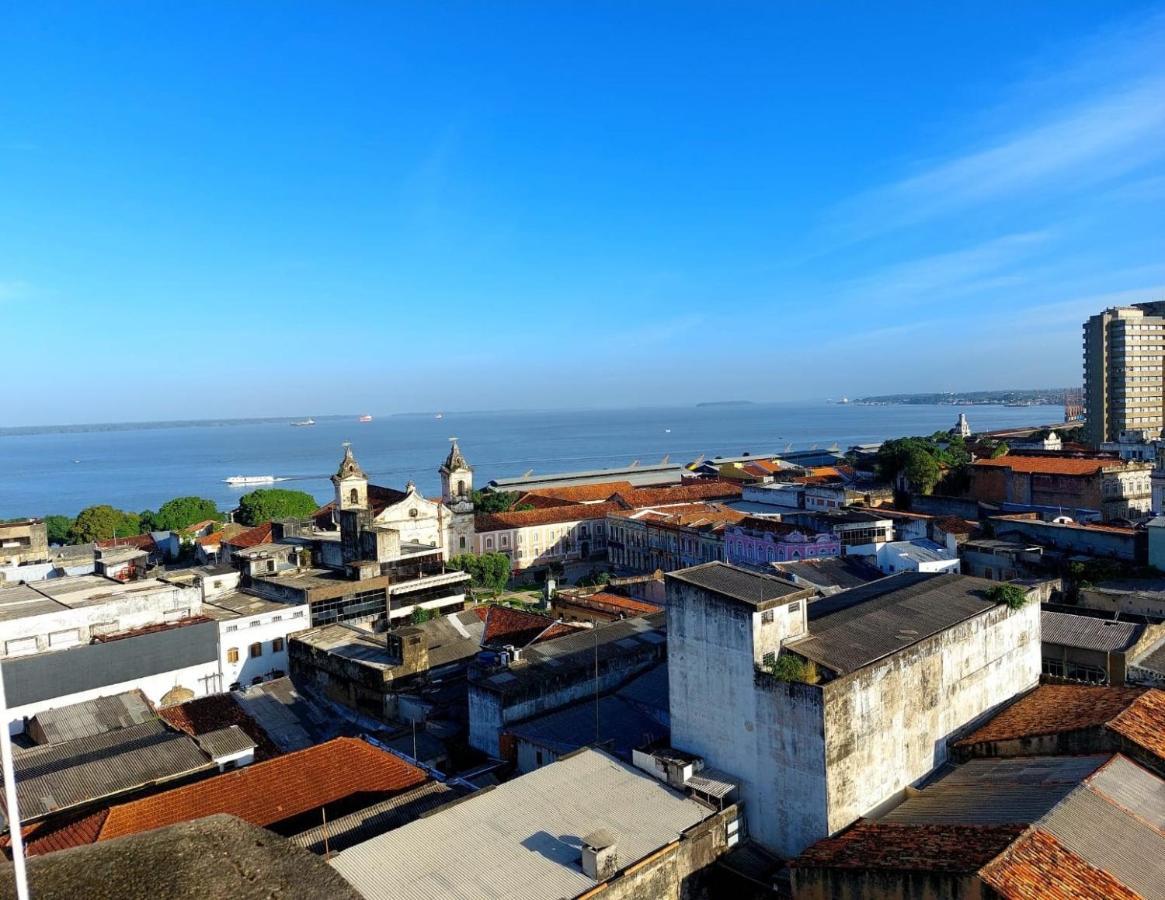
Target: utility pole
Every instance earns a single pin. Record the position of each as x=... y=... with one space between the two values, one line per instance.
x=11 y=804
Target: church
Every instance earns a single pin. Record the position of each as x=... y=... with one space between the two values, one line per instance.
x=390 y=518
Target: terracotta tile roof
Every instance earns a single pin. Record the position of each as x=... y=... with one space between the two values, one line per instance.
x=269 y=792
x=213 y=539
x=1143 y=722
x=379 y=498
x=614 y=604
x=540 y=502
x=685 y=493
x=506 y=625
x=955 y=525
x=1039 y=867
x=51 y=836
x=890 y=846
x=585 y=493
x=701 y=516
x=556 y=515
x=252 y=537
x=1048 y=465
x=140 y=541
x=1056 y=708
x=198 y=526
x=218 y=711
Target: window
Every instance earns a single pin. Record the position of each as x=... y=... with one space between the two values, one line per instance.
x=255 y=623
x=353 y=496
x=256 y=651
x=489 y=543
x=67 y=638
x=233 y=655
x=20 y=646
x=460 y=488
x=461 y=542
x=270 y=565
x=277 y=645
x=766 y=617
x=231 y=628
x=794 y=608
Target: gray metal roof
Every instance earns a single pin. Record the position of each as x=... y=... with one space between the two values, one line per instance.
x=1110 y=837
x=523 y=838
x=45 y=676
x=375 y=820
x=649 y=690
x=1087 y=632
x=736 y=583
x=291 y=720
x=650 y=474
x=1136 y=789
x=53 y=777
x=223 y=742
x=713 y=782
x=837 y=571
x=996 y=791
x=857 y=627
x=93 y=717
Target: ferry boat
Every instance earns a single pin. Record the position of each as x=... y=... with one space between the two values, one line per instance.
x=252 y=479
x=308 y=421
x=364 y=419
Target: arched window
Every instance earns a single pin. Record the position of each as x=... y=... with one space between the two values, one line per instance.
x=460 y=487
x=354 y=496
x=461 y=542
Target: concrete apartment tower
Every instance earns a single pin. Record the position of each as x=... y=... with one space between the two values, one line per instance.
x=457 y=495
x=1124 y=372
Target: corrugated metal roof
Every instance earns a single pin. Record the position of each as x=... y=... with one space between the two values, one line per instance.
x=713 y=782
x=857 y=627
x=375 y=820
x=996 y=791
x=649 y=690
x=525 y=835
x=1138 y=790
x=738 y=584
x=54 y=777
x=1112 y=839
x=225 y=741
x=93 y=717
x=1087 y=632
x=620 y=722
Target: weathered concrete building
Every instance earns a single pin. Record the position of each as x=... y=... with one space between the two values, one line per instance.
x=23 y=542
x=888 y=671
x=553 y=674
x=1115 y=487
x=1101 y=541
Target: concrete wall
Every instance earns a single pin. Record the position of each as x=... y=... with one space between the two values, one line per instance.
x=887 y=724
x=1130 y=546
x=768 y=734
x=677 y=871
x=264 y=630
x=866 y=884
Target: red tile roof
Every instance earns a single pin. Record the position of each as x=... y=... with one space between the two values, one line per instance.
x=896 y=847
x=612 y=604
x=252 y=537
x=584 y=493
x=955 y=525
x=1048 y=465
x=1143 y=722
x=537 y=501
x=698 y=516
x=199 y=526
x=685 y=493
x=205 y=714
x=269 y=792
x=553 y=516
x=1058 y=708
x=1039 y=867
x=140 y=541
x=50 y=836
x=506 y=625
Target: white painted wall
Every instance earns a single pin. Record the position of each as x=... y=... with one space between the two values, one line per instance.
x=264 y=629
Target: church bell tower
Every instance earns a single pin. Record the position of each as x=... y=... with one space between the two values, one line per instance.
x=457 y=495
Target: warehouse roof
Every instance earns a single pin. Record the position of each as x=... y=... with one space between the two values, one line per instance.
x=742 y=585
x=1088 y=632
x=857 y=627
x=91 y=717
x=524 y=834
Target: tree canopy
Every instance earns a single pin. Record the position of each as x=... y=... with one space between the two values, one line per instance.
x=58 y=528
x=181 y=512
x=921 y=460
x=102 y=522
x=490 y=571
x=498 y=501
x=265 y=504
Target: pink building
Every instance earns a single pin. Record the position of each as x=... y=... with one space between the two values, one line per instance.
x=756 y=541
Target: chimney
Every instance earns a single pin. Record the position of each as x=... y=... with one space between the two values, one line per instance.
x=600 y=859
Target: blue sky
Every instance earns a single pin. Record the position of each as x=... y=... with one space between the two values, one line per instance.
x=260 y=208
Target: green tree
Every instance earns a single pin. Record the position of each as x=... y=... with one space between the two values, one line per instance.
x=58 y=528
x=102 y=522
x=922 y=471
x=267 y=504
x=489 y=571
x=181 y=512
x=493 y=501
x=1011 y=594
x=1000 y=450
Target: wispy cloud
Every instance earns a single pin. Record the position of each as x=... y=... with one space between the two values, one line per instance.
x=1092 y=135
x=985 y=266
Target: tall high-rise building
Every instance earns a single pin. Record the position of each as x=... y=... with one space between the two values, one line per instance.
x=1124 y=372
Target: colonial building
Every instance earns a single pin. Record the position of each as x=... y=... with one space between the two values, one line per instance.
x=668 y=538
x=1115 y=488
x=758 y=541
x=457 y=495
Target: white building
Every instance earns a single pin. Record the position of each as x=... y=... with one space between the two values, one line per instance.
x=878 y=677
x=253 y=636
x=915 y=556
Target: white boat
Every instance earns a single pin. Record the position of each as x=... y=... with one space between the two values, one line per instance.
x=252 y=479
x=364 y=419
x=308 y=421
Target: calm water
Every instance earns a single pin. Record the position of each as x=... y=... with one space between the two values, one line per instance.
x=46 y=471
